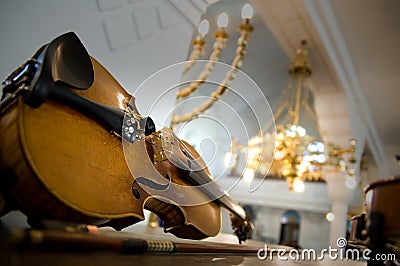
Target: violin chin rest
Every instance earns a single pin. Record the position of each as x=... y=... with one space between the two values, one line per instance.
x=64 y=61
x=70 y=61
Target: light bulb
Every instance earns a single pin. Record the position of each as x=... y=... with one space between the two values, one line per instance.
x=330 y=217
x=285 y=172
x=350 y=182
x=321 y=158
x=304 y=165
x=247 y=11
x=248 y=175
x=298 y=185
x=222 y=20
x=301 y=131
x=312 y=147
x=279 y=155
x=230 y=159
x=204 y=26
x=280 y=136
x=353 y=142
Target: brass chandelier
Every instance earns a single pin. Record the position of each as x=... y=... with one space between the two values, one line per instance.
x=299 y=152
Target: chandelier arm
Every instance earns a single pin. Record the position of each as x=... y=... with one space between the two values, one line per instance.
x=313 y=116
x=298 y=99
x=198 y=50
x=304 y=103
x=277 y=115
x=219 y=45
x=230 y=75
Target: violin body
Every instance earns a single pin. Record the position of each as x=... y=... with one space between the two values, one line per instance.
x=59 y=164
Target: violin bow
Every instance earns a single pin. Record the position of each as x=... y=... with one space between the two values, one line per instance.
x=77 y=240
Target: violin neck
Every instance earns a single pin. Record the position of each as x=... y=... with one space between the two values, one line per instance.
x=111 y=118
x=233 y=207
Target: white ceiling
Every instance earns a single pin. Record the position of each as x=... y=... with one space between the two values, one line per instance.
x=371 y=30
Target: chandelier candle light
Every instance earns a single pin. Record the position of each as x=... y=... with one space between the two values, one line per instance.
x=198 y=45
x=220 y=43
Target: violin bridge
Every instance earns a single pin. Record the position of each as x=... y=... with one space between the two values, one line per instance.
x=162 y=147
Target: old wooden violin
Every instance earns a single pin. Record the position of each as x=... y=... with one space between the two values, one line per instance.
x=58 y=159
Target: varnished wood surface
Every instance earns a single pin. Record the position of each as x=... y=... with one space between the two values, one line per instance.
x=68 y=167
x=383 y=197
x=68 y=258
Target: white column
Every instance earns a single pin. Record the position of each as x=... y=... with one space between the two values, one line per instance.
x=340 y=196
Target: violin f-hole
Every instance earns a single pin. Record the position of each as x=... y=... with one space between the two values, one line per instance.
x=135 y=192
x=141 y=180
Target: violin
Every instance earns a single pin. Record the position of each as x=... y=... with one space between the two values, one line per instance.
x=379 y=223
x=73 y=147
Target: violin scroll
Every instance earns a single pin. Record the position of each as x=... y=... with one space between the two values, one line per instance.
x=242 y=228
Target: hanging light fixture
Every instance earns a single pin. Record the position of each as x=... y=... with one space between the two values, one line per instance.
x=299 y=150
x=221 y=37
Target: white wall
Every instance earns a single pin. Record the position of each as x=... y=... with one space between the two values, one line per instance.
x=272 y=198
x=132 y=39
x=313 y=233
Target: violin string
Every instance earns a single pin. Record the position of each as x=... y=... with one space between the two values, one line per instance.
x=131 y=111
x=185 y=147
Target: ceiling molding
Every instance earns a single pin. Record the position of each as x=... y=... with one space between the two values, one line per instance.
x=324 y=19
x=192 y=10
x=290 y=23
